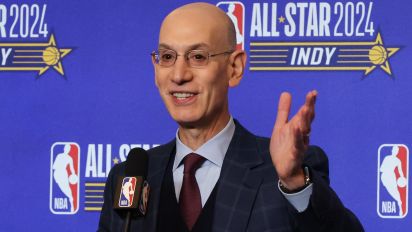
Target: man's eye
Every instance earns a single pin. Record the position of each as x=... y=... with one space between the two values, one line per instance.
x=198 y=57
x=167 y=57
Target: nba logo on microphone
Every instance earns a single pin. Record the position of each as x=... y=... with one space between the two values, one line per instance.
x=236 y=12
x=127 y=192
x=393 y=181
x=64 y=178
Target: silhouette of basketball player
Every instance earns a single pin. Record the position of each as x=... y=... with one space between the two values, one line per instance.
x=61 y=175
x=128 y=190
x=230 y=10
x=388 y=177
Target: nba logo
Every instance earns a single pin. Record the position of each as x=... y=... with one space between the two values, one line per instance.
x=64 y=178
x=393 y=178
x=236 y=12
x=127 y=192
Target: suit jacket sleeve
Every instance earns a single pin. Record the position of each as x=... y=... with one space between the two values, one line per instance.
x=325 y=211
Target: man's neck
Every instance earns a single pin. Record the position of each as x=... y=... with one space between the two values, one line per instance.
x=194 y=137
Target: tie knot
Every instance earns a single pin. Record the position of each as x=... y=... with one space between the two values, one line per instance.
x=192 y=162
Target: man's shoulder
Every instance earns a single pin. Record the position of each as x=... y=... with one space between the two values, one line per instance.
x=155 y=152
x=163 y=149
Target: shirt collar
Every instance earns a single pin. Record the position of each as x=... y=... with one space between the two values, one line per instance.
x=213 y=150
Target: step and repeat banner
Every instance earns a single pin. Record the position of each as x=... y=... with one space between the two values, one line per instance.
x=77 y=93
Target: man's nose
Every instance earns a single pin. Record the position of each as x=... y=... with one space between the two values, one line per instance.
x=181 y=71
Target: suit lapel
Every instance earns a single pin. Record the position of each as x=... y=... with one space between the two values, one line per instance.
x=158 y=159
x=239 y=182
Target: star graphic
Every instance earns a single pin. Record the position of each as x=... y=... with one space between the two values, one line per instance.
x=115 y=160
x=385 y=66
x=62 y=52
x=281 y=19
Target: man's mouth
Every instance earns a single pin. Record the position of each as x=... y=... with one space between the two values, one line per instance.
x=182 y=96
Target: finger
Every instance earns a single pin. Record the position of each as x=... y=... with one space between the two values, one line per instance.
x=301 y=142
x=304 y=120
x=311 y=98
x=285 y=101
x=308 y=113
x=300 y=119
x=302 y=127
x=305 y=128
x=299 y=139
x=310 y=105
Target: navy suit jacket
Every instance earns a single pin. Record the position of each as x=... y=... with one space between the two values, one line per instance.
x=248 y=198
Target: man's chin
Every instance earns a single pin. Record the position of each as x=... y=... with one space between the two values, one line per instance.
x=187 y=124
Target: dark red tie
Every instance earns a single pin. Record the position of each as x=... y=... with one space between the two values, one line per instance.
x=190 y=201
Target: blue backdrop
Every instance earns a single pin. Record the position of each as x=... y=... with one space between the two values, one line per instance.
x=80 y=73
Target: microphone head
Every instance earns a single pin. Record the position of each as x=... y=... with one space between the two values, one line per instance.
x=137 y=162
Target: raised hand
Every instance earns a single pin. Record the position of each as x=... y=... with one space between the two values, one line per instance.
x=290 y=139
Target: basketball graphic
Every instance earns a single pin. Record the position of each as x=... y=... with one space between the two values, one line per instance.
x=73 y=179
x=378 y=55
x=51 y=55
x=401 y=182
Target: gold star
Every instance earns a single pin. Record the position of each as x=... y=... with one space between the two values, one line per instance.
x=115 y=160
x=62 y=52
x=281 y=19
x=385 y=65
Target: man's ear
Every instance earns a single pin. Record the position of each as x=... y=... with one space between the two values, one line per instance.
x=237 y=63
x=155 y=71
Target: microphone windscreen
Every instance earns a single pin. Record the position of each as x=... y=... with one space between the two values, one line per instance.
x=137 y=162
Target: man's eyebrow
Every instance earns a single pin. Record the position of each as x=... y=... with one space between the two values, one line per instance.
x=191 y=47
x=198 y=46
x=164 y=46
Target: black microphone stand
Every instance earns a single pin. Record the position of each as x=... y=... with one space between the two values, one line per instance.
x=127 y=221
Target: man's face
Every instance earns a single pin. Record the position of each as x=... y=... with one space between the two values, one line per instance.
x=193 y=96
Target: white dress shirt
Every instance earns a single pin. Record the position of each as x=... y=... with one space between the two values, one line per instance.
x=214 y=151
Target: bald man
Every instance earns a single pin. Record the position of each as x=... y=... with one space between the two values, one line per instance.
x=241 y=182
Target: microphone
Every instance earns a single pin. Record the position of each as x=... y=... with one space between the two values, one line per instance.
x=132 y=191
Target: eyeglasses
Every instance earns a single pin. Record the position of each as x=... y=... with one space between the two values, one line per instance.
x=195 y=58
